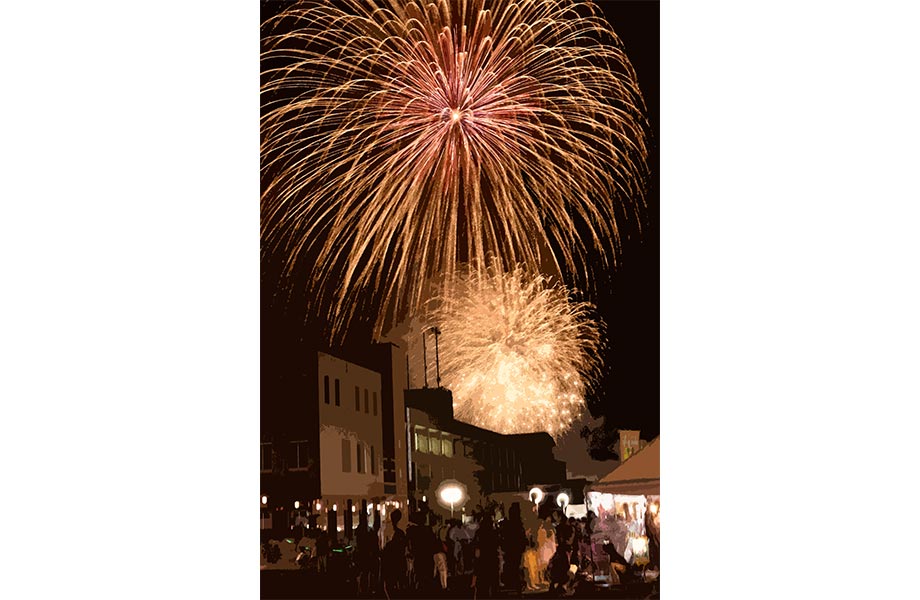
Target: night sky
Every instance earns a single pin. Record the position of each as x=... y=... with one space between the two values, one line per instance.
x=628 y=393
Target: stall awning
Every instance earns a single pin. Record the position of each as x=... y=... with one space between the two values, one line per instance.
x=639 y=476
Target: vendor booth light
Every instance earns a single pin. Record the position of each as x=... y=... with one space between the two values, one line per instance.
x=607 y=501
x=654 y=508
x=593 y=498
x=335 y=507
x=424 y=498
x=352 y=508
x=639 y=548
x=296 y=504
x=562 y=500
x=264 y=500
x=319 y=506
x=536 y=495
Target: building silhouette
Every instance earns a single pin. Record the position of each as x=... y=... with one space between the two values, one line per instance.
x=342 y=434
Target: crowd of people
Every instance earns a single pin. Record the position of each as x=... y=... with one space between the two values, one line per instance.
x=430 y=557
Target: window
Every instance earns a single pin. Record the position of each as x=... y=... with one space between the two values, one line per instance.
x=373 y=462
x=338 y=398
x=300 y=455
x=366 y=403
x=434 y=445
x=447 y=448
x=326 y=389
x=265 y=457
x=421 y=442
x=346 y=456
x=375 y=404
x=357 y=399
x=359 y=462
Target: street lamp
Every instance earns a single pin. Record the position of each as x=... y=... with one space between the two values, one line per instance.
x=536 y=495
x=296 y=504
x=563 y=501
x=451 y=493
x=264 y=500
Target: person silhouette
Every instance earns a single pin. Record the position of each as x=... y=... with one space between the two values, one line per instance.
x=394 y=557
x=366 y=555
x=422 y=548
x=485 y=570
x=513 y=543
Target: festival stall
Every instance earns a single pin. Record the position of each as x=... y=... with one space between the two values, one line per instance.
x=627 y=502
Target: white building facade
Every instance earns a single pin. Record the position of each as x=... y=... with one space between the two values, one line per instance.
x=350 y=440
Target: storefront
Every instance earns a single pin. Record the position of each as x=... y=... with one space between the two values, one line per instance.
x=627 y=503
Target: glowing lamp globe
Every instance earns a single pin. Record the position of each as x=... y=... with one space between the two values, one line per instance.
x=451 y=495
x=536 y=495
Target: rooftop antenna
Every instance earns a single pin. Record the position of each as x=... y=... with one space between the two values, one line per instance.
x=437 y=358
x=425 y=358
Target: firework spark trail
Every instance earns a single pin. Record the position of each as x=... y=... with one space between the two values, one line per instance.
x=518 y=354
x=401 y=139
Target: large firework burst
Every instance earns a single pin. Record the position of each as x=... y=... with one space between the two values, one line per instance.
x=516 y=351
x=401 y=139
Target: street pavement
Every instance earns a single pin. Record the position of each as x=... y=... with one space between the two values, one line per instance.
x=289 y=585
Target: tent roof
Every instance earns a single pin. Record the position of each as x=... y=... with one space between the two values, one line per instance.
x=639 y=475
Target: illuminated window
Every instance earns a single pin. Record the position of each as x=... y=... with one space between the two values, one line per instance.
x=447 y=448
x=326 y=389
x=434 y=445
x=421 y=441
